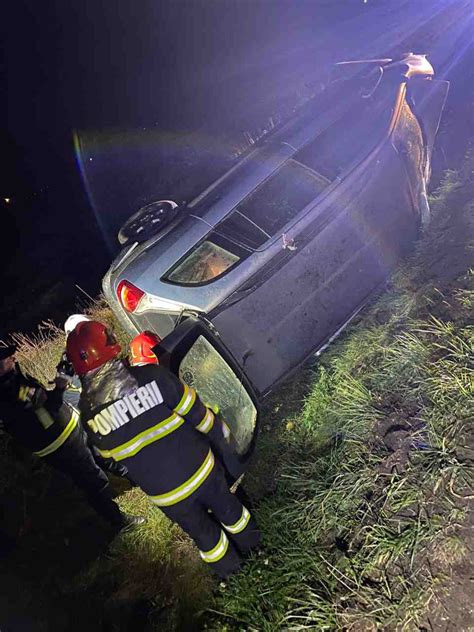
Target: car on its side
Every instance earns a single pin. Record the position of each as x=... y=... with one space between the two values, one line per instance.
x=271 y=261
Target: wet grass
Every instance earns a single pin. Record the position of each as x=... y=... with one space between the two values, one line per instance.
x=351 y=520
x=360 y=481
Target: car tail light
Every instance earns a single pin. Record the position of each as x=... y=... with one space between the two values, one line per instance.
x=129 y=295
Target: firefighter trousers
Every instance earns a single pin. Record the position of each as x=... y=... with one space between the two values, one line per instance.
x=223 y=535
x=75 y=460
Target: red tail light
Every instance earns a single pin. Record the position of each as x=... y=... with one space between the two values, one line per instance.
x=129 y=295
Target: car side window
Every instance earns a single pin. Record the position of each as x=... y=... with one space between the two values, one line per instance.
x=351 y=137
x=282 y=196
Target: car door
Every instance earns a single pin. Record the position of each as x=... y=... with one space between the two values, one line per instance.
x=427 y=99
x=198 y=357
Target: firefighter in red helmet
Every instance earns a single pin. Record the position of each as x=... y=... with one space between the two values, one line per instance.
x=141 y=349
x=145 y=417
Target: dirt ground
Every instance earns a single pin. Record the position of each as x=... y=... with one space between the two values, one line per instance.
x=450 y=571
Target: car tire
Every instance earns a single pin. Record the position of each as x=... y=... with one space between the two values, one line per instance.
x=148 y=221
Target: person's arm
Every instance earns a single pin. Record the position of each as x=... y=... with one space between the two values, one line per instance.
x=30 y=392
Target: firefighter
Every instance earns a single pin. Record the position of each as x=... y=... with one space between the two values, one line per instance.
x=40 y=421
x=142 y=351
x=72 y=395
x=144 y=416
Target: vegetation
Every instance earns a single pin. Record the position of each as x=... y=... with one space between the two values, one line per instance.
x=361 y=479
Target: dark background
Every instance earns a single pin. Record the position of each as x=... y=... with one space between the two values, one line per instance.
x=162 y=96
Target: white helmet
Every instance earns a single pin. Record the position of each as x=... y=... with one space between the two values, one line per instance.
x=73 y=321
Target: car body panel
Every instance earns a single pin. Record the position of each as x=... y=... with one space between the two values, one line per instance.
x=343 y=257
x=148 y=262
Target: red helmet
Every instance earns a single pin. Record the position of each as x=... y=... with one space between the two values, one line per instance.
x=141 y=348
x=91 y=345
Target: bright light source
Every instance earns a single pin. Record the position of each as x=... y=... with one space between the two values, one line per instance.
x=7 y=200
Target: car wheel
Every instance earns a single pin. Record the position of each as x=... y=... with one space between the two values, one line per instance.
x=148 y=221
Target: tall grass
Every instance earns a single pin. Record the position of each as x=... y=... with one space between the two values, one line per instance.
x=39 y=352
x=353 y=518
x=344 y=537
x=360 y=474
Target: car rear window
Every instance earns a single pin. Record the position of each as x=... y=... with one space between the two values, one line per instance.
x=204 y=369
x=206 y=262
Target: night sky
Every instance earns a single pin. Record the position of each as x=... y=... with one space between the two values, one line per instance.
x=159 y=94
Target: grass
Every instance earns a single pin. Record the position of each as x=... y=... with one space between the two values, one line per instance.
x=39 y=353
x=148 y=564
x=361 y=478
x=344 y=539
x=353 y=518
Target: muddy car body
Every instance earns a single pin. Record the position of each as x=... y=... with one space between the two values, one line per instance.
x=270 y=262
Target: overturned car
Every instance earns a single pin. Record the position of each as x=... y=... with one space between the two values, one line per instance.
x=271 y=261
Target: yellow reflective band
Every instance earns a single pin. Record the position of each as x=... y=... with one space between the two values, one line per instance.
x=218 y=552
x=23 y=393
x=187 y=401
x=188 y=487
x=150 y=435
x=207 y=422
x=57 y=443
x=241 y=523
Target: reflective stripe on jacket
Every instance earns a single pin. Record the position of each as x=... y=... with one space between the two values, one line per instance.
x=157 y=425
x=140 y=441
x=32 y=415
x=57 y=443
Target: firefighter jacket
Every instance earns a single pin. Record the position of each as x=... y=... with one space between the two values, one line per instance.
x=145 y=417
x=35 y=417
